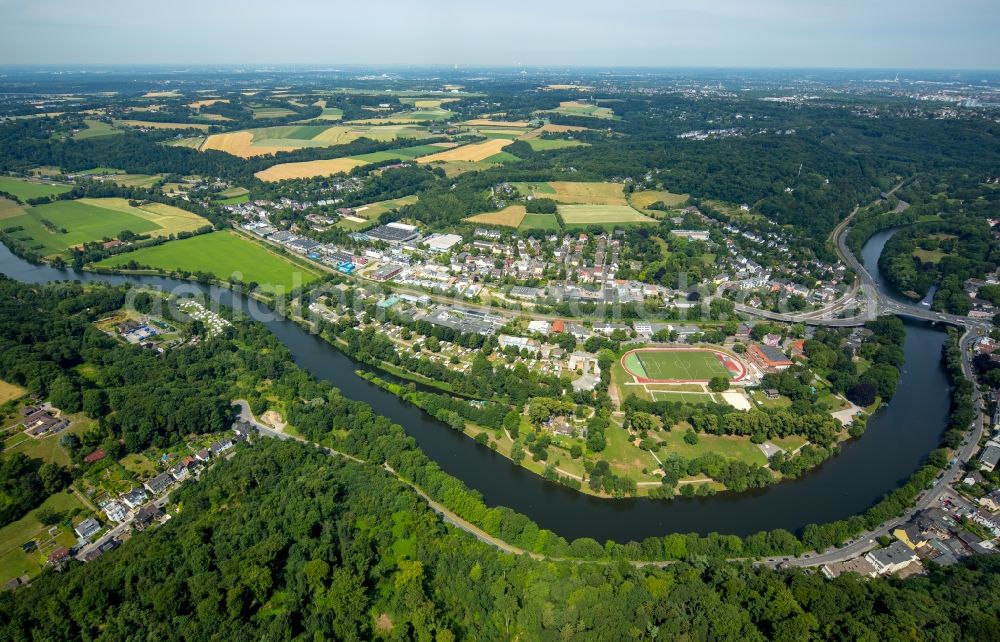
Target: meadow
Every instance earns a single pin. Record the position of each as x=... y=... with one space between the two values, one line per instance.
x=576 y=193
x=545 y=222
x=10 y=391
x=577 y=108
x=150 y=124
x=261 y=113
x=93 y=219
x=546 y=144
x=25 y=190
x=95 y=129
x=223 y=254
x=642 y=200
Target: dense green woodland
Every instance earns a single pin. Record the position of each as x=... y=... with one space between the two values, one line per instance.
x=284 y=542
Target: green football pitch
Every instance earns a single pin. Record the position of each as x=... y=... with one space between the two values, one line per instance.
x=675 y=365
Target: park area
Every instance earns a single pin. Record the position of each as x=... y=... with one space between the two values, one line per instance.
x=53 y=228
x=222 y=254
x=673 y=365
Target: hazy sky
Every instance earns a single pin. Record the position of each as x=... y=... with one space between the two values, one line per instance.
x=665 y=33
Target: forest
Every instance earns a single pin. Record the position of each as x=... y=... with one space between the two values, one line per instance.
x=284 y=542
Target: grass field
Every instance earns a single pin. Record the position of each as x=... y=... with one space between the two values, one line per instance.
x=223 y=254
x=192 y=142
x=555 y=129
x=577 y=108
x=374 y=210
x=539 y=222
x=683 y=397
x=740 y=448
x=474 y=152
x=422 y=114
x=642 y=200
x=136 y=180
x=83 y=223
x=96 y=129
x=10 y=391
x=14 y=562
x=545 y=144
x=260 y=113
x=486 y=122
x=198 y=104
x=929 y=256
x=654 y=365
x=510 y=216
x=150 y=124
x=598 y=214
x=402 y=153
x=25 y=190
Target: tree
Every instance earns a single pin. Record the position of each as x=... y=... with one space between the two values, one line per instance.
x=54 y=477
x=718 y=384
x=862 y=394
x=65 y=395
x=690 y=437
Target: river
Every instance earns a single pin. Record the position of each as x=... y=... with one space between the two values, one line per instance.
x=898 y=440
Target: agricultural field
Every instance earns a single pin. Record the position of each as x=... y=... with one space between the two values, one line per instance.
x=149 y=124
x=24 y=189
x=207 y=102
x=544 y=222
x=192 y=142
x=578 y=108
x=642 y=200
x=664 y=365
x=420 y=115
x=510 y=216
x=576 y=193
x=426 y=103
x=223 y=254
x=269 y=140
x=473 y=152
x=546 y=144
x=402 y=154
x=262 y=113
x=486 y=122
x=365 y=214
x=96 y=129
x=93 y=219
x=601 y=214
x=553 y=129
x=308 y=169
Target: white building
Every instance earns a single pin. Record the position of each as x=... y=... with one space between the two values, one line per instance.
x=891 y=558
x=115 y=511
x=541 y=327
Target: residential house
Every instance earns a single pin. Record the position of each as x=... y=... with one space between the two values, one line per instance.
x=892 y=558
x=115 y=511
x=160 y=483
x=87 y=528
x=134 y=498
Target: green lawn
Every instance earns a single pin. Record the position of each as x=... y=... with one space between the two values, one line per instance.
x=675 y=365
x=271 y=112
x=683 y=397
x=223 y=254
x=83 y=223
x=24 y=190
x=740 y=448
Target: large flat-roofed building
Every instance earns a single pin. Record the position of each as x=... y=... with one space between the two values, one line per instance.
x=891 y=558
x=393 y=233
x=769 y=358
x=442 y=242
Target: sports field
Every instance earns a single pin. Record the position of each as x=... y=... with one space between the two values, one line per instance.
x=510 y=216
x=474 y=152
x=223 y=254
x=25 y=190
x=93 y=219
x=598 y=214
x=670 y=365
